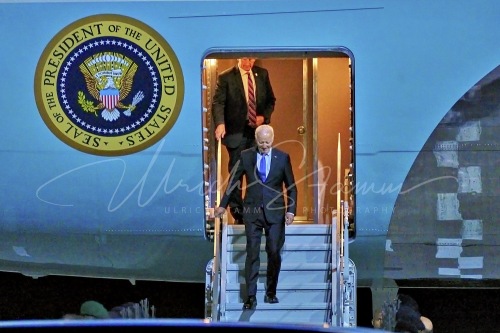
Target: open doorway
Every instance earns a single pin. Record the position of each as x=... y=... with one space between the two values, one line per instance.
x=313 y=121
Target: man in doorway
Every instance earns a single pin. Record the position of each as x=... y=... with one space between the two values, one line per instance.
x=243 y=100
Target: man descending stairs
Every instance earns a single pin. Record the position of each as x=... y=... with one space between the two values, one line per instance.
x=309 y=283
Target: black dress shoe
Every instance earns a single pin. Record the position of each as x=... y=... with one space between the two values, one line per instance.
x=250 y=303
x=271 y=299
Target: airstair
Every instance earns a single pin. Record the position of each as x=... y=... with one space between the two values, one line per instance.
x=317 y=282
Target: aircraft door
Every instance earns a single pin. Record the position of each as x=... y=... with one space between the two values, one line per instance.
x=313 y=106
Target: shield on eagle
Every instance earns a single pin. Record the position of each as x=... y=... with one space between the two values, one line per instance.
x=109 y=97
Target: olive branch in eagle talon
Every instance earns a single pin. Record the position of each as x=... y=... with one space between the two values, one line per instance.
x=87 y=106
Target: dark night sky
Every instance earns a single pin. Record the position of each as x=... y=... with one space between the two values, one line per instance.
x=451 y=310
x=53 y=296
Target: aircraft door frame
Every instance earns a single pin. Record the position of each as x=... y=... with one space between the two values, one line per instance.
x=309 y=115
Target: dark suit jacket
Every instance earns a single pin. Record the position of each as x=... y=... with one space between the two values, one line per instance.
x=270 y=194
x=230 y=106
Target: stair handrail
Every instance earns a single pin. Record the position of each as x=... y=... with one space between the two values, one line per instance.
x=344 y=281
x=336 y=283
x=335 y=295
x=217 y=245
x=345 y=263
x=340 y=224
x=216 y=270
x=223 y=268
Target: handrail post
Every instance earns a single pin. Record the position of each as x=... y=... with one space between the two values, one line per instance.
x=337 y=250
x=216 y=271
x=217 y=244
x=335 y=271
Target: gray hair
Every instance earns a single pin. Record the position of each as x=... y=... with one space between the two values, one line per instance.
x=264 y=128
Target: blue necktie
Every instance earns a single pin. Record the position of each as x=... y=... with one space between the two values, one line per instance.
x=262 y=168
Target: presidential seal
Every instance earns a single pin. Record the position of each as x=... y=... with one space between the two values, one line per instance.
x=109 y=85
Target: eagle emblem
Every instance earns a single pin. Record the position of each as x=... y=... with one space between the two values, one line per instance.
x=109 y=77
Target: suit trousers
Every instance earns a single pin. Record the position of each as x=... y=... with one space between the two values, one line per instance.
x=275 y=239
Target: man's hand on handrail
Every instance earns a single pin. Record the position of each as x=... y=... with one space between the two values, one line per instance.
x=219 y=211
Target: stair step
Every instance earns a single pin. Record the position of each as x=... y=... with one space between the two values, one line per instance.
x=286 y=247
x=283 y=286
x=287 y=293
x=290 y=272
x=280 y=306
x=301 y=229
x=319 y=253
x=310 y=313
x=285 y=266
x=302 y=234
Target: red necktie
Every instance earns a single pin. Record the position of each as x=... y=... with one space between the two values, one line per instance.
x=252 y=113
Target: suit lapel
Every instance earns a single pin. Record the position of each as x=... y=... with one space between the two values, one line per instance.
x=274 y=163
x=258 y=83
x=254 y=158
x=239 y=82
